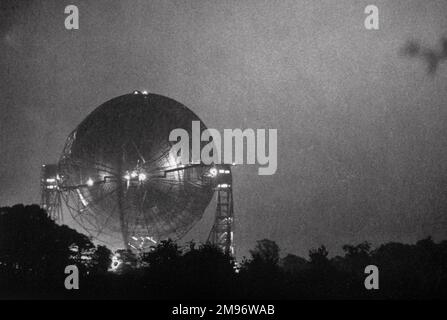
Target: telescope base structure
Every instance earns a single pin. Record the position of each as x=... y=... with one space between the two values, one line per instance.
x=53 y=194
x=50 y=194
x=221 y=233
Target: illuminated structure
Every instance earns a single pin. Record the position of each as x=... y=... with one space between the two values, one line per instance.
x=50 y=196
x=119 y=180
x=222 y=231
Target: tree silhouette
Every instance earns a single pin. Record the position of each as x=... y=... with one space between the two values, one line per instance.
x=207 y=272
x=34 y=252
x=318 y=257
x=261 y=274
x=293 y=264
x=101 y=260
x=266 y=251
x=166 y=253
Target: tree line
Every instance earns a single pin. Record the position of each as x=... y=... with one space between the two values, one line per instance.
x=34 y=252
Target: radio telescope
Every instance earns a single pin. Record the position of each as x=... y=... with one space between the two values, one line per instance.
x=119 y=180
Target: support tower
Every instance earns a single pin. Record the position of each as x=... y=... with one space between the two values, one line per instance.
x=222 y=231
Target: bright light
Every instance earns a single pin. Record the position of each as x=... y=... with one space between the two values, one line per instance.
x=151 y=239
x=136 y=92
x=223 y=185
x=213 y=172
x=134 y=174
x=142 y=177
x=127 y=177
x=145 y=92
x=51 y=180
x=90 y=182
x=116 y=262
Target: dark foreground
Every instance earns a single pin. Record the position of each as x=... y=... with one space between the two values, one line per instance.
x=34 y=252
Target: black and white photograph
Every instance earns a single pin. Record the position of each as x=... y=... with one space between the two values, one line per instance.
x=223 y=157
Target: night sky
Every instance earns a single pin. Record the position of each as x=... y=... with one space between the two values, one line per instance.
x=362 y=129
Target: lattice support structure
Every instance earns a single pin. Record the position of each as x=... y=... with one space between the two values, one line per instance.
x=221 y=233
x=54 y=193
x=50 y=193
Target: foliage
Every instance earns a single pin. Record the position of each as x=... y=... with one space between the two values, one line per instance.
x=34 y=252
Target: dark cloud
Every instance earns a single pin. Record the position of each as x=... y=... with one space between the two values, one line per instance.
x=433 y=57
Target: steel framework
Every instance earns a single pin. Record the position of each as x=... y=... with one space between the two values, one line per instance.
x=222 y=231
x=117 y=176
x=50 y=199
